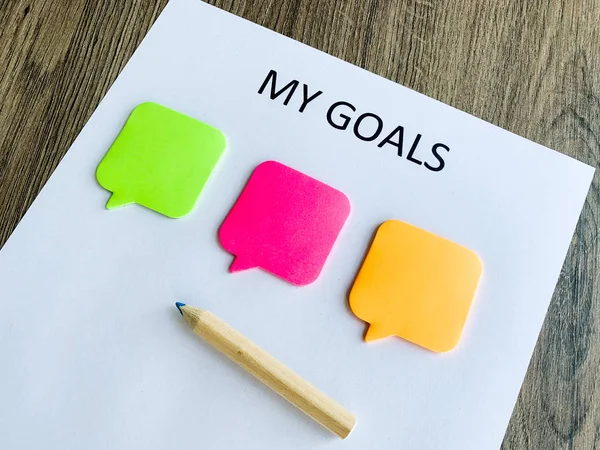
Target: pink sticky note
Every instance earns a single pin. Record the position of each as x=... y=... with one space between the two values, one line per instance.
x=285 y=222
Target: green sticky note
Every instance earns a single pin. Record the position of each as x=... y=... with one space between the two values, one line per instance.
x=161 y=160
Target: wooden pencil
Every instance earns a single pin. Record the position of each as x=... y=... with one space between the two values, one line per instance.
x=269 y=370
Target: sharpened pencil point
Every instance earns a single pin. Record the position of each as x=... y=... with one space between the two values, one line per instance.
x=179 y=306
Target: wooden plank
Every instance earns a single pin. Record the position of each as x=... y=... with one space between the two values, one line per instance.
x=530 y=67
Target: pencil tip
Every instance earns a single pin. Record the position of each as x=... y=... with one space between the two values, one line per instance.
x=179 y=306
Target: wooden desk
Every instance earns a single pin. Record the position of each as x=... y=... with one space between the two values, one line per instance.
x=532 y=67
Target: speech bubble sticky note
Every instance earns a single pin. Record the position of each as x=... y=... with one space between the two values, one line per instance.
x=161 y=160
x=415 y=285
x=284 y=222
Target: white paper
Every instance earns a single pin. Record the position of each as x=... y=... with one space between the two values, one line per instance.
x=94 y=354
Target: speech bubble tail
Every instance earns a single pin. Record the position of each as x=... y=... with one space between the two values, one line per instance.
x=240 y=264
x=116 y=201
x=376 y=332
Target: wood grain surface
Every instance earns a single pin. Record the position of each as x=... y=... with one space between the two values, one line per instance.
x=531 y=67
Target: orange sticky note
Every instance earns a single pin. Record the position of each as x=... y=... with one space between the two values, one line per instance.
x=416 y=285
